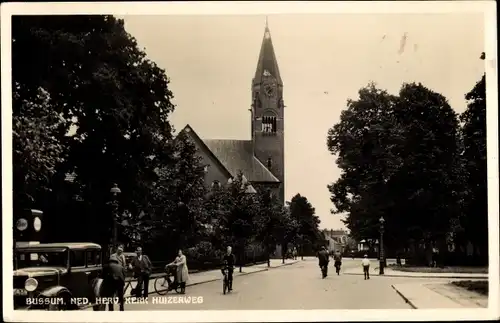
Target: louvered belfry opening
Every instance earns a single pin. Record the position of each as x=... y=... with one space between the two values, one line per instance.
x=269 y=163
x=269 y=125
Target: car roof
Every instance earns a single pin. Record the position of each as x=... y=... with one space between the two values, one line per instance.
x=69 y=245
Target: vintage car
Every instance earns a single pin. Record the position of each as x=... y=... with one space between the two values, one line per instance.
x=57 y=276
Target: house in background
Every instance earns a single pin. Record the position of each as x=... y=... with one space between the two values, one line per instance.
x=337 y=240
x=364 y=245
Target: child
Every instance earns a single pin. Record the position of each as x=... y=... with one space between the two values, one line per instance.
x=366 y=267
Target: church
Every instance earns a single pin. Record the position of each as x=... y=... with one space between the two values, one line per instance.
x=261 y=159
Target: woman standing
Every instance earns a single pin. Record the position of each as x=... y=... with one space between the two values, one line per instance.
x=182 y=271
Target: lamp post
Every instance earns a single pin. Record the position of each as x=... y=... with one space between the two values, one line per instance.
x=381 y=257
x=115 y=190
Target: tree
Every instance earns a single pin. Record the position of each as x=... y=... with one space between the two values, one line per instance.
x=307 y=221
x=397 y=155
x=273 y=224
x=113 y=101
x=473 y=131
x=231 y=209
x=287 y=231
x=176 y=210
x=366 y=141
x=37 y=151
x=431 y=156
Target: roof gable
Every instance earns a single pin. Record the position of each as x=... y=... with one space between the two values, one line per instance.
x=237 y=155
x=193 y=135
x=234 y=156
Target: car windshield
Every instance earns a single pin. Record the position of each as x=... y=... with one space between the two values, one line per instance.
x=47 y=258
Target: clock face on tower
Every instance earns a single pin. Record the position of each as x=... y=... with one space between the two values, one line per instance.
x=269 y=90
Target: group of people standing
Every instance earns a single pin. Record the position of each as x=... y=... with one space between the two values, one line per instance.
x=115 y=272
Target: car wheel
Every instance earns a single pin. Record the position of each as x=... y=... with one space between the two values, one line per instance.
x=64 y=306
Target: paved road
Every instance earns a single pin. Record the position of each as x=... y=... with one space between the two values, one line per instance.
x=297 y=286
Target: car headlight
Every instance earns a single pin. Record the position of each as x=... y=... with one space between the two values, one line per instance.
x=30 y=284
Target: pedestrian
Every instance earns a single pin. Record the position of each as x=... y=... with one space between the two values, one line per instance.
x=366 y=267
x=120 y=256
x=323 y=257
x=294 y=253
x=116 y=276
x=182 y=273
x=141 y=266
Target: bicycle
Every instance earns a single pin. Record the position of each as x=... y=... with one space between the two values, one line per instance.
x=163 y=280
x=127 y=285
x=225 y=282
x=337 y=267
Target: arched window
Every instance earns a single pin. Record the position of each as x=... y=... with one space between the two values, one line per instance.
x=269 y=124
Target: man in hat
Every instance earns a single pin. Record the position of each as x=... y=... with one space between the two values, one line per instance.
x=116 y=277
x=141 y=266
x=323 y=257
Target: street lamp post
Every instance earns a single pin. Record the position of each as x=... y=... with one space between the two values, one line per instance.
x=115 y=190
x=381 y=257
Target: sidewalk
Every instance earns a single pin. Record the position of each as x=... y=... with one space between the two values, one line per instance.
x=214 y=275
x=438 y=296
x=388 y=272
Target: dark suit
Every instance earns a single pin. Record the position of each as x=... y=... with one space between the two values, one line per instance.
x=142 y=270
x=116 y=280
x=323 y=258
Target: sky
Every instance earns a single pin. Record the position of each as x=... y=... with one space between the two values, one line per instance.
x=324 y=59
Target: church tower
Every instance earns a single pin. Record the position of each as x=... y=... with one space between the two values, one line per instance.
x=268 y=134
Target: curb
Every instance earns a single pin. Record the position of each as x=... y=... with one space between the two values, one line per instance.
x=423 y=276
x=404 y=297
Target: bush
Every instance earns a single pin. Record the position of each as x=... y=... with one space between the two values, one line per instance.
x=204 y=251
x=480 y=286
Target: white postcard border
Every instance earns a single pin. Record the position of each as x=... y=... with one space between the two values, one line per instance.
x=488 y=8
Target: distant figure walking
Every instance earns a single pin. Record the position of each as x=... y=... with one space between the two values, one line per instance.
x=323 y=258
x=366 y=267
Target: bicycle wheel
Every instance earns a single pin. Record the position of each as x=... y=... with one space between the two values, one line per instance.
x=161 y=285
x=224 y=285
x=127 y=285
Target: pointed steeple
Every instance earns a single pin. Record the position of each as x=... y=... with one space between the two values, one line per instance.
x=267 y=64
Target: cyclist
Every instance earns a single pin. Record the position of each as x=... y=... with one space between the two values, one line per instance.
x=229 y=262
x=337 y=257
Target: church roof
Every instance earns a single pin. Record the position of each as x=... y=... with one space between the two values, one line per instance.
x=237 y=155
x=267 y=60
